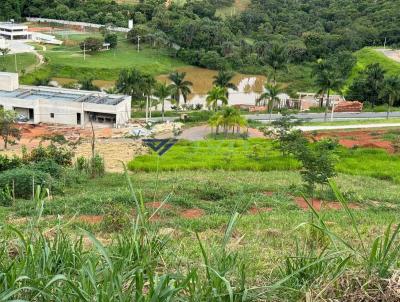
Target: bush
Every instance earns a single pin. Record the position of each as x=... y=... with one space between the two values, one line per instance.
x=94 y=166
x=48 y=166
x=21 y=179
x=112 y=39
x=60 y=155
x=7 y=163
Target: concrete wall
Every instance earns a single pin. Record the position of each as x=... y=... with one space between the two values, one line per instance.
x=9 y=81
x=65 y=112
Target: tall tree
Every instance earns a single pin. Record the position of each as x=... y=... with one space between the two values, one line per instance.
x=391 y=90
x=375 y=76
x=272 y=91
x=327 y=78
x=130 y=82
x=277 y=58
x=9 y=131
x=215 y=95
x=224 y=79
x=180 y=86
x=162 y=92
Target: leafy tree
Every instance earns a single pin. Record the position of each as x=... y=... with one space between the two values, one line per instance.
x=91 y=44
x=327 y=78
x=162 y=92
x=228 y=118
x=391 y=90
x=271 y=94
x=224 y=79
x=215 y=95
x=367 y=86
x=112 y=39
x=179 y=86
x=9 y=131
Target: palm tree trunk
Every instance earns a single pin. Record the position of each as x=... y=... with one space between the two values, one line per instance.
x=147 y=109
x=270 y=110
x=162 y=110
x=326 y=107
x=388 y=108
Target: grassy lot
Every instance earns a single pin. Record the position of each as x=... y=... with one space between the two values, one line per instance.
x=24 y=62
x=355 y=122
x=262 y=240
x=67 y=61
x=259 y=155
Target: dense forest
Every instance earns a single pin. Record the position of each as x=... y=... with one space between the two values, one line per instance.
x=267 y=33
x=310 y=29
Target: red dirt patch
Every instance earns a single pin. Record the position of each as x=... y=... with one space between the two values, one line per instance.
x=90 y=219
x=192 y=213
x=321 y=204
x=268 y=193
x=359 y=138
x=255 y=210
x=157 y=204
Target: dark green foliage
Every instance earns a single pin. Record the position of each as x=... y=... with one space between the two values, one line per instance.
x=91 y=44
x=60 y=155
x=48 y=166
x=112 y=39
x=23 y=180
x=7 y=163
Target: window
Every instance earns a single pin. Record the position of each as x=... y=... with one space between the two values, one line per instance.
x=52 y=115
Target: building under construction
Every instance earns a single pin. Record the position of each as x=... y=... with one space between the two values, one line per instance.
x=62 y=106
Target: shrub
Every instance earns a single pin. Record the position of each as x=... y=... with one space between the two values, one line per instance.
x=23 y=181
x=48 y=166
x=94 y=166
x=7 y=163
x=6 y=196
x=59 y=154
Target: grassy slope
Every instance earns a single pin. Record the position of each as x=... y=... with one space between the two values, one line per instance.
x=24 y=61
x=368 y=56
x=68 y=62
x=268 y=236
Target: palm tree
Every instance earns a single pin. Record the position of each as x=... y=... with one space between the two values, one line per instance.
x=327 y=79
x=232 y=119
x=271 y=94
x=277 y=58
x=148 y=83
x=216 y=94
x=391 y=90
x=223 y=79
x=130 y=82
x=162 y=91
x=179 y=86
x=375 y=76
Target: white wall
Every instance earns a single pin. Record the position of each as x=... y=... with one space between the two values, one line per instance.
x=9 y=81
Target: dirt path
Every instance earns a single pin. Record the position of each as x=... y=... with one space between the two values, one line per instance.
x=390 y=53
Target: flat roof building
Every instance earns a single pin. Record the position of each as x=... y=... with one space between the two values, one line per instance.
x=63 y=106
x=13 y=31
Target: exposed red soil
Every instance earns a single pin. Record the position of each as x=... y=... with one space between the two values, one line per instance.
x=321 y=204
x=157 y=204
x=90 y=219
x=192 y=213
x=255 y=210
x=268 y=193
x=359 y=138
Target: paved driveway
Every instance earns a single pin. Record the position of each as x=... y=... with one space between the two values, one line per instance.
x=20 y=47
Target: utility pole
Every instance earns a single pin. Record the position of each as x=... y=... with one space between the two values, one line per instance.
x=138 y=43
x=384 y=44
x=84 y=51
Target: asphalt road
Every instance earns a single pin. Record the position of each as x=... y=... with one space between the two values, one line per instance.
x=315 y=117
x=319 y=117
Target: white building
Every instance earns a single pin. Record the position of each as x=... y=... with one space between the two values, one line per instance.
x=12 y=31
x=63 y=106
